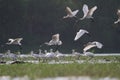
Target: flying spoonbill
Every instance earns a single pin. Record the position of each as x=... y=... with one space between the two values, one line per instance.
x=88 y=12
x=70 y=13
x=14 y=41
x=93 y=44
x=55 y=41
x=80 y=34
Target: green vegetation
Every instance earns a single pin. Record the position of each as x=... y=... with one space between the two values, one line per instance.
x=53 y=70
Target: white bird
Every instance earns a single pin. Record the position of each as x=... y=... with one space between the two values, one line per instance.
x=49 y=55
x=76 y=54
x=59 y=55
x=34 y=55
x=42 y=55
x=55 y=40
x=11 y=55
x=2 y=56
x=70 y=13
x=93 y=44
x=40 y=52
x=89 y=54
x=14 y=41
x=80 y=34
x=118 y=13
x=88 y=12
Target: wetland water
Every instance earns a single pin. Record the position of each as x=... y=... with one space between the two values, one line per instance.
x=57 y=78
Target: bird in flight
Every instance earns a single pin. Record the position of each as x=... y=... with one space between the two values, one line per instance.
x=70 y=13
x=118 y=13
x=88 y=12
x=90 y=45
x=80 y=33
x=14 y=41
x=55 y=40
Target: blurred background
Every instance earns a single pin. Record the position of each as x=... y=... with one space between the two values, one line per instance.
x=37 y=20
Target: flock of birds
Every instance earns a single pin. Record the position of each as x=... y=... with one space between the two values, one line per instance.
x=56 y=37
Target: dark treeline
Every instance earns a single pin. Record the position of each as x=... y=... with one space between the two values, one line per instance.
x=37 y=20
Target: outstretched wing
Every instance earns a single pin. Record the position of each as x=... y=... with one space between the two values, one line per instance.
x=118 y=13
x=91 y=11
x=98 y=44
x=88 y=47
x=80 y=33
x=75 y=12
x=18 y=39
x=68 y=10
x=85 y=10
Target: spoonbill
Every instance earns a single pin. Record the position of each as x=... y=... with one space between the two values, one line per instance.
x=50 y=55
x=70 y=13
x=2 y=57
x=34 y=55
x=80 y=33
x=88 y=12
x=76 y=54
x=89 y=54
x=93 y=44
x=118 y=13
x=59 y=55
x=55 y=41
x=14 y=41
x=11 y=55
